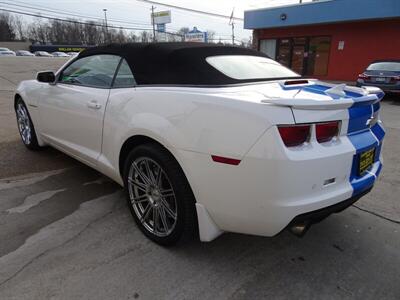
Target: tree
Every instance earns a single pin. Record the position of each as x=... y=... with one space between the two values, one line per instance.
x=210 y=35
x=183 y=30
x=19 y=27
x=7 y=32
x=145 y=37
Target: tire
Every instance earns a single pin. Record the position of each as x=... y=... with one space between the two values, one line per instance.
x=155 y=198
x=25 y=126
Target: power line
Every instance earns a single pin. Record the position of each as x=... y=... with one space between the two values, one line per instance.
x=79 y=22
x=78 y=15
x=60 y=12
x=191 y=10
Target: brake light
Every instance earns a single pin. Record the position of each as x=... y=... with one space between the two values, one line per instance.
x=292 y=82
x=326 y=131
x=294 y=135
x=395 y=78
x=364 y=76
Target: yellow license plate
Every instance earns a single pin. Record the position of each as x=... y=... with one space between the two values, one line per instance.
x=366 y=160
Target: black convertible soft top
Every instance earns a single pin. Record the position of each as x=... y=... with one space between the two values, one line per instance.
x=173 y=63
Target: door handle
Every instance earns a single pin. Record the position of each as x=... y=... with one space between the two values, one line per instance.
x=94 y=105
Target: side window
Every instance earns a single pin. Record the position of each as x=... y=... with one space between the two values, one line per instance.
x=95 y=71
x=124 y=76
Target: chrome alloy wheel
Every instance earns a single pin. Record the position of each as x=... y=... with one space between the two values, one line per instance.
x=24 y=124
x=152 y=196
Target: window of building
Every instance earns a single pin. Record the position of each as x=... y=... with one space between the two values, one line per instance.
x=318 y=56
x=304 y=55
x=284 y=50
x=268 y=47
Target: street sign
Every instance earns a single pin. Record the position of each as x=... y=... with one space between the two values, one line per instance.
x=161 y=17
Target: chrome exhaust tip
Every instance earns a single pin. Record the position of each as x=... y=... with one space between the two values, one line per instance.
x=300 y=229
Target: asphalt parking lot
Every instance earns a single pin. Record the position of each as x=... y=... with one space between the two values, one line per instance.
x=66 y=233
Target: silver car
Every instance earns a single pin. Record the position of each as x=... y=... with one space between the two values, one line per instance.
x=60 y=54
x=43 y=54
x=6 y=52
x=24 y=53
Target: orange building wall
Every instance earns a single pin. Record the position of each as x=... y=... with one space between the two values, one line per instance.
x=364 y=42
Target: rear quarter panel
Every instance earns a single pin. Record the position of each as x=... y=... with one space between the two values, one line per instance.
x=208 y=121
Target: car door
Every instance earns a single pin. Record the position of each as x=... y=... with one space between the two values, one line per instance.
x=72 y=110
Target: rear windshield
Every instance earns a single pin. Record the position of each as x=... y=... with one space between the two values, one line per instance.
x=245 y=67
x=385 y=66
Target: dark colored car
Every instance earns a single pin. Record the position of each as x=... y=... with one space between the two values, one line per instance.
x=384 y=74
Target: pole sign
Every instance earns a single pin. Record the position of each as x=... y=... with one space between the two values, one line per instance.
x=161 y=17
x=196 y=36
x=161 y=27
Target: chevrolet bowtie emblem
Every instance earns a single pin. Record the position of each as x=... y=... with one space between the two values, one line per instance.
x=371 y=121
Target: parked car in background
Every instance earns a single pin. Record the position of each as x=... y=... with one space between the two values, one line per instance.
x=23 y=53
x=6 y=52
x=208 y=138
x=384 y=74
x=60 y=54
x=43 y=54
x=72 y=54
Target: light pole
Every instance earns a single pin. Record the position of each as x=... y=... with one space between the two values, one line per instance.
x=152 y=21
x=105 y=18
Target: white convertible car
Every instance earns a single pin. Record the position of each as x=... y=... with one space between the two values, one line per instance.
x=206 y=138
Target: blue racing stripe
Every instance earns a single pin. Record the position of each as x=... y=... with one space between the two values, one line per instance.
x=321 y=90
x=363 y=141
x=358 y=117
x=377 y=106
x=362 y=184
x=378 y=131
x=363 y=138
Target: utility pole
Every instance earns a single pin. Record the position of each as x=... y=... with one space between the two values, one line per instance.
x=105 y=18
x=233 y=33
x=232 y=23
x=152 y=21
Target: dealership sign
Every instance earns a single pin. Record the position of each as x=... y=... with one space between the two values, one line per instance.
x=196 y=36
x=161 y=17
x=161 y=27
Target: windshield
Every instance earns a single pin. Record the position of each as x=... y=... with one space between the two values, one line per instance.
x=245 y=67
x=385 y=66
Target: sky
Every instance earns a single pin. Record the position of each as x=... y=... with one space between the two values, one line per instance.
x=137 y=13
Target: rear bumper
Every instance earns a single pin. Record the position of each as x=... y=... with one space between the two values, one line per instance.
x=273 y=185
x=307 y=219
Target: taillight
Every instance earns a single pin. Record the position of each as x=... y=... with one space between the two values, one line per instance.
x=364 y=76
x=294 y=135
x=326 y=131
x=395 y=78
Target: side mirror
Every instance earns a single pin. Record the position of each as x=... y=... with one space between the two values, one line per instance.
x=47 y=76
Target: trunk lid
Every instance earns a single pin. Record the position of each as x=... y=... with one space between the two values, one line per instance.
x=381 y=77
x=320 y=102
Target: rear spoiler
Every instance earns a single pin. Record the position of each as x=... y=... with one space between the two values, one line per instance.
x=367 y=96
